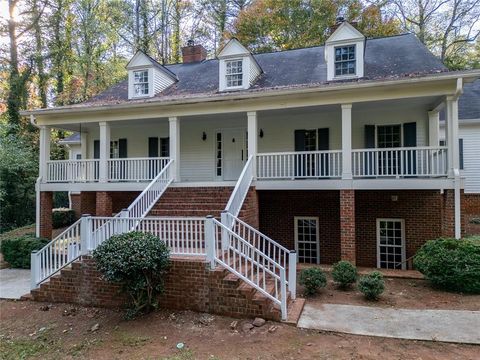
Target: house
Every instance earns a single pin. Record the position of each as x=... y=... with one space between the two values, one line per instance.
x=311 y=155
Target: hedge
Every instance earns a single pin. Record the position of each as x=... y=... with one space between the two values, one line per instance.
x=16 y=250
x=62 y=217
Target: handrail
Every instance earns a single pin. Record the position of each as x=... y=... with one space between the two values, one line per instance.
x=240 y=191
x=251 y=265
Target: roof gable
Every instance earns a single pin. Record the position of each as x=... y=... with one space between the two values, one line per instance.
x=233 y=48
x=345 y=32
x=140 y=59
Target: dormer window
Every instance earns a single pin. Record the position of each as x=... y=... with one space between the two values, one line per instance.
x=345 y=60
x=234 y=73
x=140 y=83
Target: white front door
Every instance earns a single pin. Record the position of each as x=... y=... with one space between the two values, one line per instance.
x=234 y=153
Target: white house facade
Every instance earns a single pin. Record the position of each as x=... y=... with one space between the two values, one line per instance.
x=323 y=153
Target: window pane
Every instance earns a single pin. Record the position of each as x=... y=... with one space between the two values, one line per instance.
x=345 y=60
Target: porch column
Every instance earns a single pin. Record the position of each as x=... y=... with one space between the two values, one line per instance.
x=253 y=139
x=174 y=128
x=453 y=157
x=84 y=144
x=347 y=141
x=44 y=151
x=347 y=226
x=433 y=128
x=104 y=151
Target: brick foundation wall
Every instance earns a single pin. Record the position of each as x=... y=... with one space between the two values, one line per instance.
x=103 y=204
x=88 y=202
x=347 y=225
x=277 y=210
x=250 y=211
x=422 y=210
x=470 y=211
x=122 y=199
x=448 y=213
x=76 y=204
x=46 y=205
x=189 y=285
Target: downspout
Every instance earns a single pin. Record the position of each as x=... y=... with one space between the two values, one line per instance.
x=456 y=178
x=37 y=190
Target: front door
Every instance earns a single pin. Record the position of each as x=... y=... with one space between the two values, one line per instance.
x=234 y=153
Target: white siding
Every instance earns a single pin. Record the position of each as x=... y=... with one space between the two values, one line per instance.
x=161 y=81
x=254 y=72
x=470 y=133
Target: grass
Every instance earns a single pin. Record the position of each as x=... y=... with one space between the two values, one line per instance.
x=19 y=349
x=28 y=229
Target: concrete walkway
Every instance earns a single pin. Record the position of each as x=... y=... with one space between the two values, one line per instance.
x=14 y=283
x=439 y=325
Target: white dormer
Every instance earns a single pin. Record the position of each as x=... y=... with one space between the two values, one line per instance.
x=344 y=53
x=238 y=69
x=146 y=77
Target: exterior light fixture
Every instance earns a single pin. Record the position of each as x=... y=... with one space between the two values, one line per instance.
x=204 y=136
x=261 y=133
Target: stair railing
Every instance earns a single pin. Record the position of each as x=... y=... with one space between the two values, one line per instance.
x=240 y=191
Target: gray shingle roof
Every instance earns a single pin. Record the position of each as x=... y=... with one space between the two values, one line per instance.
x=75 y=137
x=385 y=58
x=469 y=102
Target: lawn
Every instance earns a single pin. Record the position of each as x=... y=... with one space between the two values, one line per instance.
x=61 y=331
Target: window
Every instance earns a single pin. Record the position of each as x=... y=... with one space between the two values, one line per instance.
x=140 y=83
x=460 y=153
x=234 y=73
x=345 y=60
x=306 y=240
x=389 y=136
x=165 y=147
x=114 y=150
x=78 y=156
x=390 y=244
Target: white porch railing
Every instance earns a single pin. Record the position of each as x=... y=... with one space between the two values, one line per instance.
x=250 y=264
x=240 y=191
x=400 y=162
x=72 y=170
x=57 y=254
x=301 y=164
x=135 y=169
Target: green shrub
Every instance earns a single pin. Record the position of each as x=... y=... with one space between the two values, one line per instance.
x=451 y=264
x=344 y=274
x=62 y=217
x=312 y=279
x=372 y=285
x=17 y=250
x=138 y=262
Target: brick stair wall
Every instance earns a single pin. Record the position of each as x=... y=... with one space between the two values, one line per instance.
x=189 y=285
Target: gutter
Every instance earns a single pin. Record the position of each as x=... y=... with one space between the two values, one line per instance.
x=459 y=75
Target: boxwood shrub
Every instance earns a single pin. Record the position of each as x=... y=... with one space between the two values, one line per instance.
x=450 y=264
x=344 y=274
x=372 y=285
x=16 y=250
x=138 y=262
x=312 y=279
x=62 y=217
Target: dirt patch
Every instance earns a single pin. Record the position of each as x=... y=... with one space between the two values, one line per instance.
x=399 y=293
x=61 y=331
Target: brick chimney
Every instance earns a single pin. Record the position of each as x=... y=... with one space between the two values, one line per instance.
x=193 y=53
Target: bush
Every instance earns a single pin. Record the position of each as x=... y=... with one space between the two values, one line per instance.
x=372 y=285
x=450 y=264
x=312 y=279
x=16 y=250
x=344 y=274
x=62 y=217
x=137 y=262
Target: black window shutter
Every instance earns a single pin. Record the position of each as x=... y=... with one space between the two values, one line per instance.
x=410 y=134
x=369 y=136
x=299 y=140
x=122 y=148
x=153 y=147
x=460 y=152
x=324 y=139
x=165 y=147
x=96 y=149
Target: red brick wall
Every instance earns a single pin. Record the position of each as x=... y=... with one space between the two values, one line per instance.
x=88 y=202
x=347 y=225
x=103 y=204
x=278 y=208
x=448 y=213
x=46 y=205
x=421 y=209
x=76 y=204
x=249 y=212
x=122 y=199
x=189 y=285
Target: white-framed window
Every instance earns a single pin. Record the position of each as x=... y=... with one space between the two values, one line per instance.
x=140 y=83
x=234 y=73
x=345 y=60
x=307 y=242
x=389 y=136
x=391 y=244
x=114 y=149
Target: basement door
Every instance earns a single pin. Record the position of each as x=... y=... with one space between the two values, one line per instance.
x=234 y=153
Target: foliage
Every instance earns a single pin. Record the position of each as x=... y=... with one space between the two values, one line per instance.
x=344 y=274
x=138 y=262
x=372 y=285
x=312 y=279
x=62 y=217
x=17 y=250
x=451 y=264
